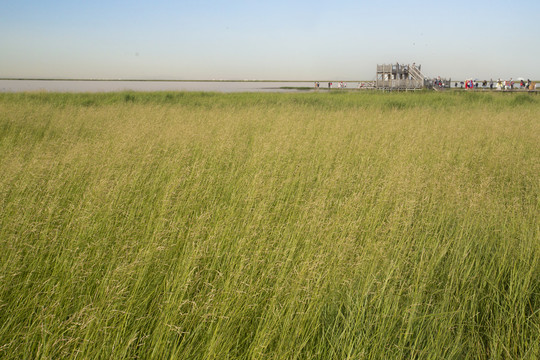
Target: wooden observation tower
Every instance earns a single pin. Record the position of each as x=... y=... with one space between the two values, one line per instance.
x=400 y=77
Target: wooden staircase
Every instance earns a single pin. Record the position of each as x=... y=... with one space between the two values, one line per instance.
x=415 y=73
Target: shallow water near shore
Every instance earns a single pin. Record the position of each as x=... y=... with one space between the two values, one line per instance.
x=136 y=85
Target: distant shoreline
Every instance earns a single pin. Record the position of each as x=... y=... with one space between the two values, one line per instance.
x=201 y=81
x=172 y=80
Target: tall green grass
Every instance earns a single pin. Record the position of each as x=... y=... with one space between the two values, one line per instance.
x=269 y=226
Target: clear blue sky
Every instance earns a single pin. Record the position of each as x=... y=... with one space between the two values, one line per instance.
x=280 y=39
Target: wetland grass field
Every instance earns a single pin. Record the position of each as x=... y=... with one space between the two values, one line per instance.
x=336 y=225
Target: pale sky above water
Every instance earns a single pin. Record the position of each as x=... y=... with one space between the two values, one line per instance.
x=275 y=40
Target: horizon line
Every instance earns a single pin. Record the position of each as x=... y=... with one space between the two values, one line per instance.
x=170 y=80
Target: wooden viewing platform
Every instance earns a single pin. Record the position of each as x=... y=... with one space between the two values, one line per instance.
x=399 y=77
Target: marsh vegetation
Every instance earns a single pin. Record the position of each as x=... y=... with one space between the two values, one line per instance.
x=269 y=226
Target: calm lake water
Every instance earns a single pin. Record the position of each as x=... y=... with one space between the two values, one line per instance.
x=108 y=86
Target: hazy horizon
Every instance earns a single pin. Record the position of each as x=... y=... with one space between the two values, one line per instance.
x=277 y=41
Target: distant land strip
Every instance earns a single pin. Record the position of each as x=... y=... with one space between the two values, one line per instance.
x=172 y=80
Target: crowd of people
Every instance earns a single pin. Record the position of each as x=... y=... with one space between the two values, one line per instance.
x=439 y=82
x=467 y=84
x=498 y=85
